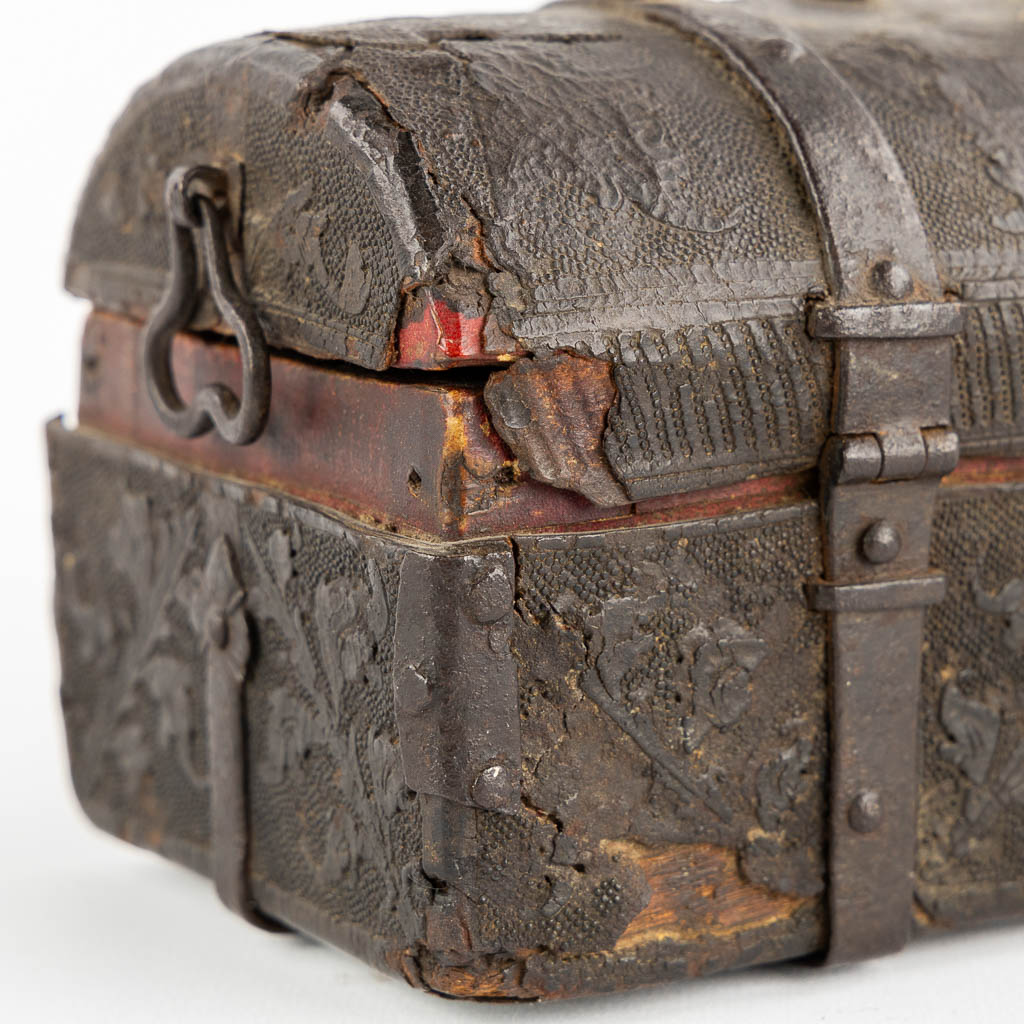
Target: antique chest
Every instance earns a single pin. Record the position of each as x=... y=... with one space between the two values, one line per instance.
x=546 y=511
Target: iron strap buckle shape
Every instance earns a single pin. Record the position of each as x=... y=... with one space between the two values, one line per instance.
x=196 y=211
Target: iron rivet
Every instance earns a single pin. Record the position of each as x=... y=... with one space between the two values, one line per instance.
x=499 y=635
x=414 y=690
x=491 y=598
x=891 y=280
x=880 y=542
x=492 y=788
x=866 y=812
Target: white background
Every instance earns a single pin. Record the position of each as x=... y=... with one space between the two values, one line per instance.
x=92 y=930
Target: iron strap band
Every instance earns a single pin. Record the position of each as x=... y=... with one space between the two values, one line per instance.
x=865 y=208
x=225 y=643
x=877 y=596
x=903 y=320
x=893 y=363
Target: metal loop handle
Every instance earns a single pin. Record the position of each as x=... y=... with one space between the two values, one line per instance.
x=196 y=210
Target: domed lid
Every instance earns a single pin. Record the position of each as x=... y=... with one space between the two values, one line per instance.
x=590 y=178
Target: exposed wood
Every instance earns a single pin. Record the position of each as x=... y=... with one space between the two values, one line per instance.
x=697 y=891
x=414 y=455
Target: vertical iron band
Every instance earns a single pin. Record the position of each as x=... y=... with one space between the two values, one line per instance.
x=223 y=627
x=887 y=317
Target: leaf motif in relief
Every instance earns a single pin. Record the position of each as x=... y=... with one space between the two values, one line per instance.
x=1009 y=603
x=133 y=753
x=974 y=728
x=1013 y=221
x=138 y=542
x=339 y=849
x=332 y=641
x=621 y=639
x=622 y=154
x=282 y=547
x=356 y=281
x=294 y=730
x=722 y=675
x=779 y=782
x=377 y=617
x=386 y=774
x=93 y=624
x=168 y=682
x=1010 y=783
x=1005 y=160
x=351 y=776
x=980 y=814
x=146 y=554
x=351 y=620
x=344 y=646
x=1007 y=171
x=186 y=591
x=617 y=638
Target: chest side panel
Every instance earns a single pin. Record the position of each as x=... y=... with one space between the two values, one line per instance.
x=332 y=824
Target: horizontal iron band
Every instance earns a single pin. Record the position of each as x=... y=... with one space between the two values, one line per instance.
x=904 y=321
x=878 y=596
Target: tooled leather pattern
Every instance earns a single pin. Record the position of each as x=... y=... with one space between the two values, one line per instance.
x=332 y=823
